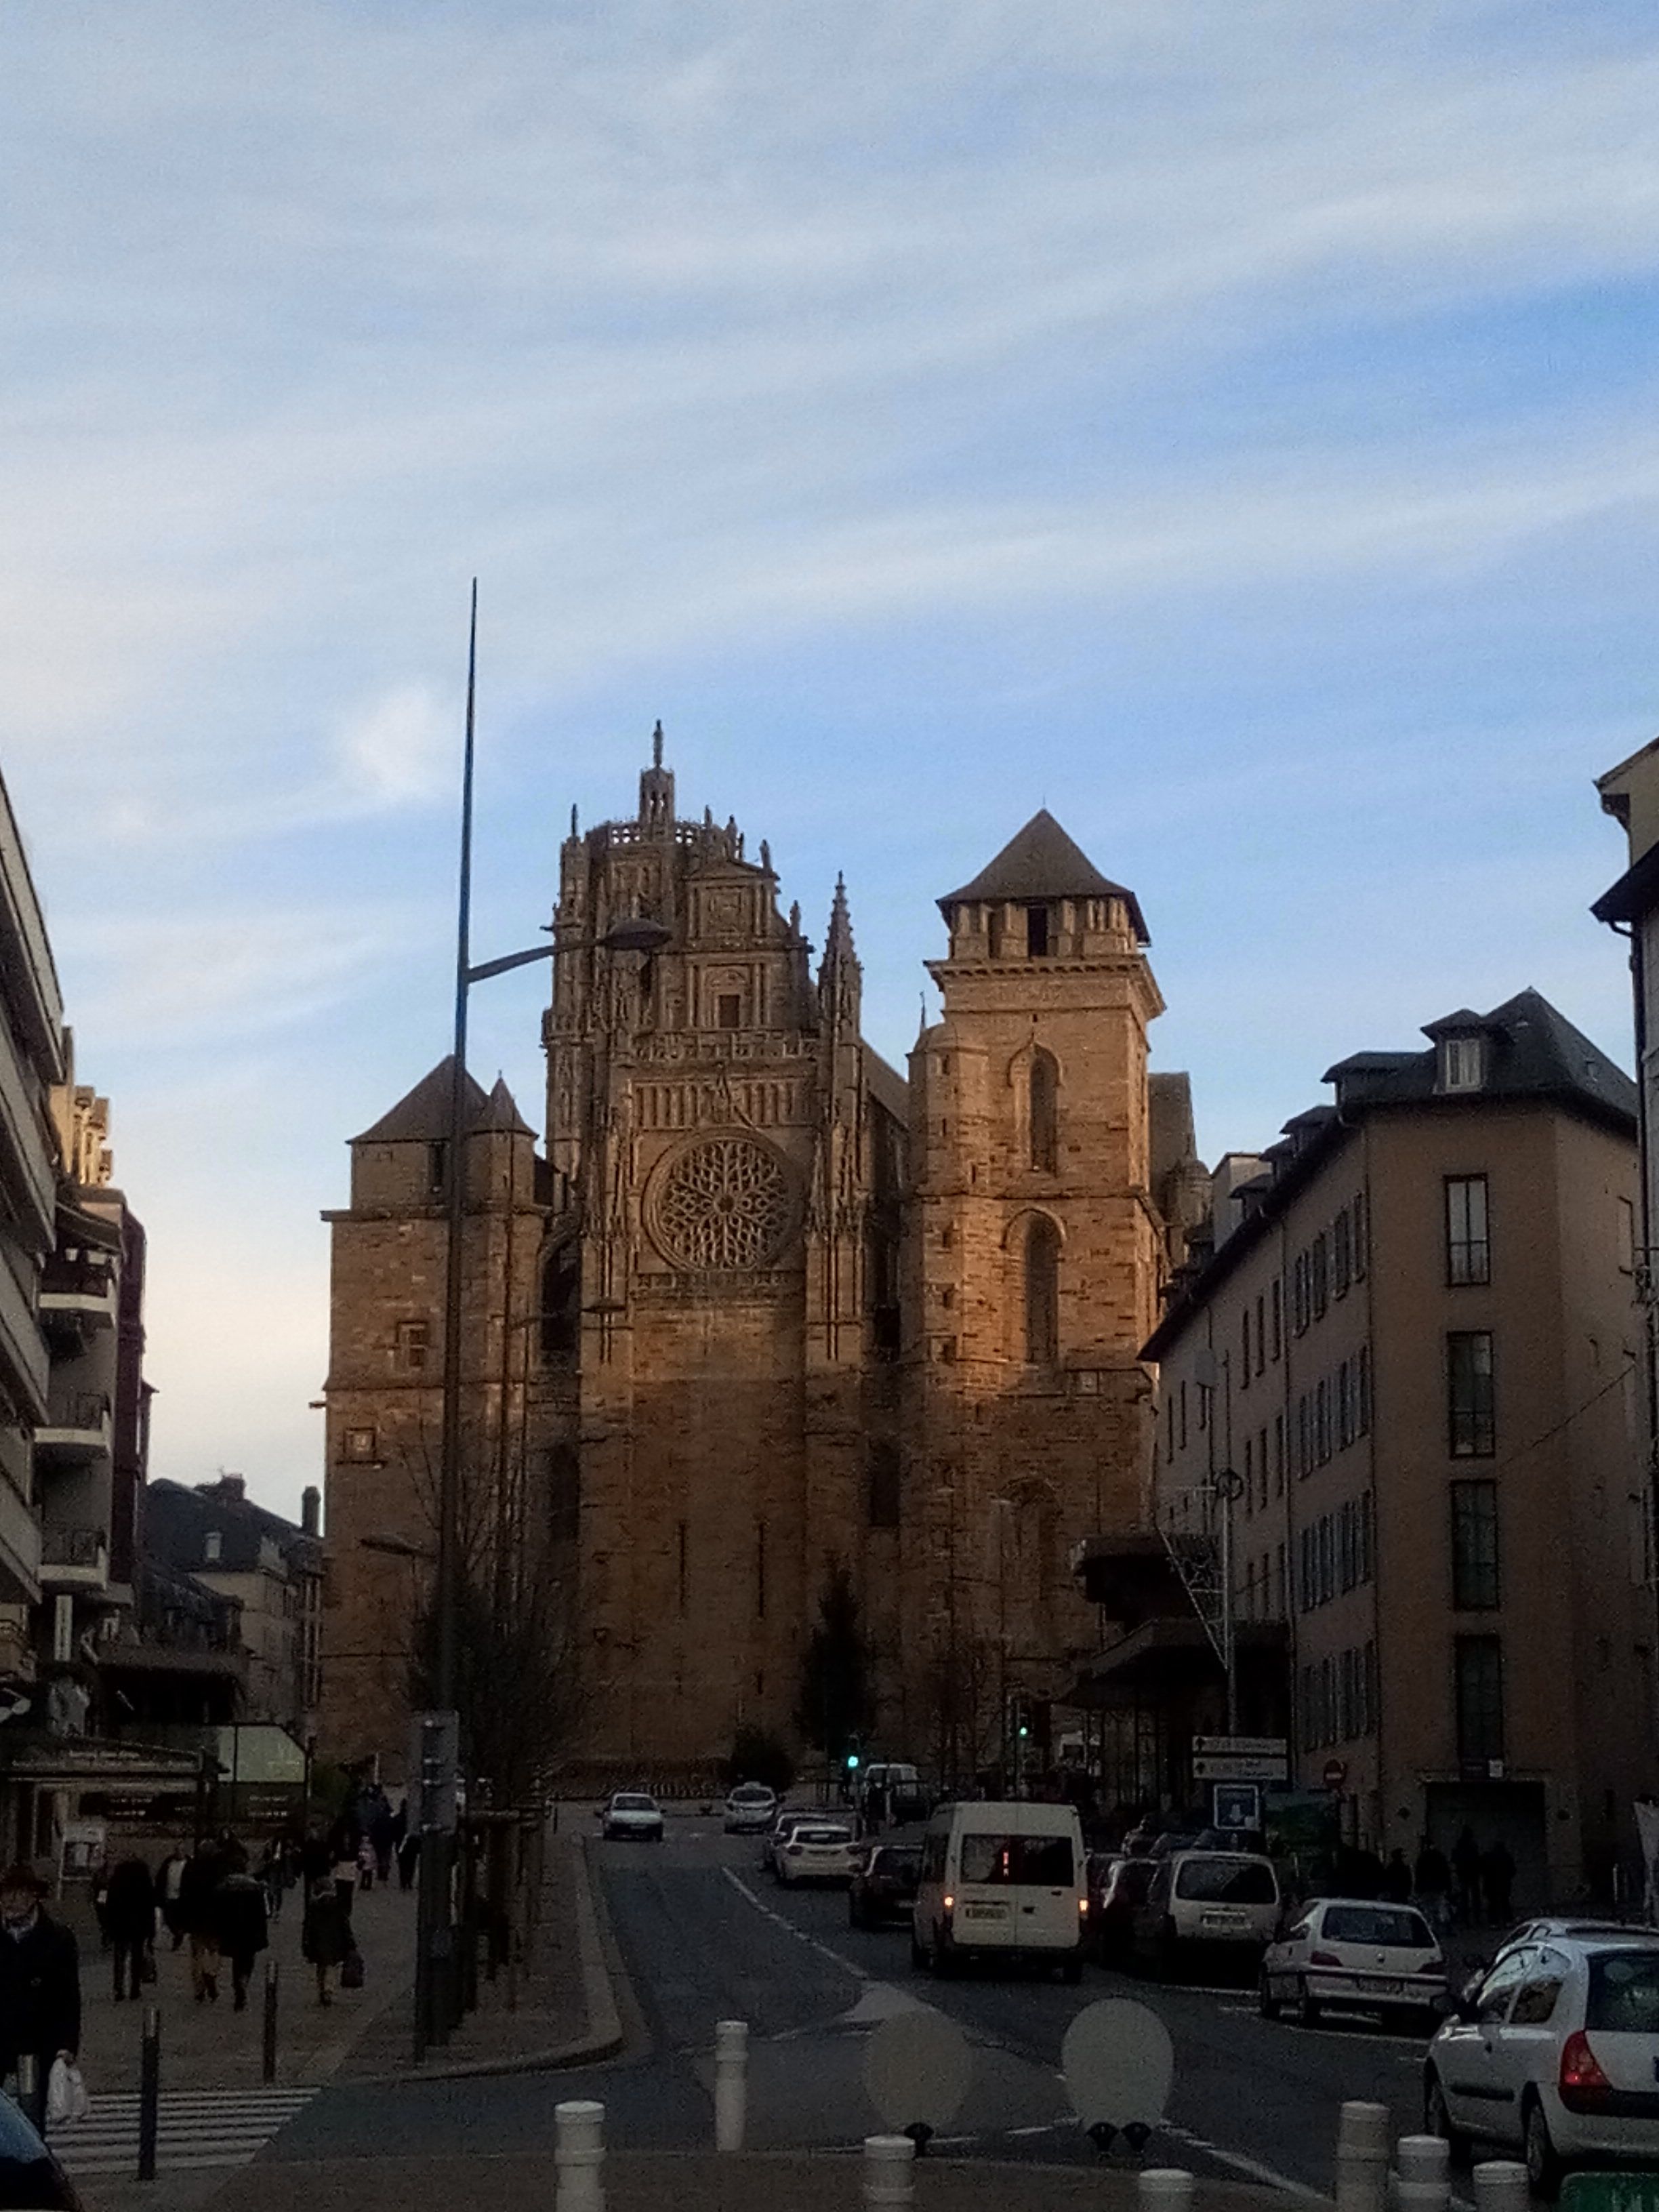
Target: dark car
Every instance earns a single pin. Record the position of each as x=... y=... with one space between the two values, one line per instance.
x=1123 y=1884
x=884 y=1886
x=29 y=2175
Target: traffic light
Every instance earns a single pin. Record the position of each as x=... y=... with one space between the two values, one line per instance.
x=852 y=1762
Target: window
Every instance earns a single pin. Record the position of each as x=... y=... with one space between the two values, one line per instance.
x=1016 y=1861
x=1168 y=1409
x=1279 y=1455
x=1036 y=932
x=1626 y=1226
x=1345 y=1405
x=1322 y=1419
x=1045 y=1112
x=728 y=1010
x=1183 y=1412
x=1342 y=1253
x=884 y=1490
x=1250 y=1474
x=1280 y=1611
x=1362 y=1236
x=1362 y=1391
x=437 y=1168
x=1042 y=1291
x=1299 y=1293
x=1276 y=1319
x=1474 y=1546
x=1261 y=1468
x=358 y=1445
x=1468 y=1257
x=1470 y=1427
x=564 y=1493
x=1477 y=1673
x=414 y=1345
x=1303 y=1438
x=1319 y=1273
x=1261 y=1315
x=561 y=1316
x=1462 y=1062
x=213 y=1546
x=1244 y=1349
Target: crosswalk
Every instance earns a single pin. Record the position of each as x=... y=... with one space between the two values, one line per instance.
x=199 y=2128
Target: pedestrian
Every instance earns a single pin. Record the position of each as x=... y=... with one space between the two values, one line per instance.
x=325 y=1935
x=169 y=1880
x=201 y=1878
x=1431 y=1878
x=366 y=1866
x=39 y=1983
x=275 y=1875
x=346 y=1880
x=1396 y=1883
x=383 y=1835
x=1466 y=1865
x=1497 y=1881
x=130 y=1909
x=315 y=1858
x=239 y=1921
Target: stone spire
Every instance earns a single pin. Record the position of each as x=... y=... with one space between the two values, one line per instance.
x=657 y=792
x=840 y=978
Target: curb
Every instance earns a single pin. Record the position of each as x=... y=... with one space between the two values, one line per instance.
x=604 y=2038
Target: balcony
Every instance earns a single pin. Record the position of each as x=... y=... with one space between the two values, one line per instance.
x=77 y=1428
x=77 y=1299
x=74 y=1559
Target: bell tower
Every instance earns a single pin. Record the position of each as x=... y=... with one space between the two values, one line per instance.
x=1035 y=1256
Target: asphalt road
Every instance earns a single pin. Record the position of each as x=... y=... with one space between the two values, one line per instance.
x=704 y=1935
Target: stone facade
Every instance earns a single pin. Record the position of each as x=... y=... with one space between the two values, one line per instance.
x=764 y=1307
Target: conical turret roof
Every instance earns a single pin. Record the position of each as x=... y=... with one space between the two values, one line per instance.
x=422 y=1115
x=1042 y=862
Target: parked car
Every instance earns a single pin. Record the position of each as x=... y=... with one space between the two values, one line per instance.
x=1541 y=1928
x=29 y=2174
x=631 y=1812
x=816 y=1850
x=1224 y=1904
x=1119 y=1886
x=779 y=1833
x=1356 y=1954
x=884 y=1885
x=751 y=1809
x=1556 y=2056
x=1003 y=1881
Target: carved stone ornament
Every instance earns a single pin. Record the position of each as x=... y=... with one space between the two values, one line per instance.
x=725 y=1202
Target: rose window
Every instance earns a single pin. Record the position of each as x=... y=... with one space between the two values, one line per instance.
x=724 y=1203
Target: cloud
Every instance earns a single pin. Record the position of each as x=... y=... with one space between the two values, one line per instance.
x=394 y=751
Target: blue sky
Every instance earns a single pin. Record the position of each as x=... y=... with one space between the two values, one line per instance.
x=1230 y=424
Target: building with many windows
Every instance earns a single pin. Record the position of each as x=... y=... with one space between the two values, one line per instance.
x=1398 y=1407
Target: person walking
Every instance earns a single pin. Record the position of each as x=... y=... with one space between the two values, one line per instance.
x=169 y=1880
x=1431 y=1878
x=325 y=1935
x=39 y=1983
x=201 y=1878
x=241 y=1924
x=383 y=1836
x=408 y=1853
x=1465 y=1864
x=130 y=1909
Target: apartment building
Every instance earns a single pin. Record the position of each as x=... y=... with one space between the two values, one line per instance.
x=1403 y=1395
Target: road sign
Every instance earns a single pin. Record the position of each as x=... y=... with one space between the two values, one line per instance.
x=1238 y=1766
x=1336 y=1773
x=1238 y=1805
x=1245 y=1747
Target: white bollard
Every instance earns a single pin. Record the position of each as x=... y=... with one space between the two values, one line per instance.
x=1362 y=2158
x=1501 y=2185
x=890 y=2164
x=1420 y=2162
x=579 y=2156
x=1164 y=2189
x=731 y=2082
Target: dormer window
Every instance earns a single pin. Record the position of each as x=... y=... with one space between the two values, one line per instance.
x=212 y=1547
x=1462 y=1062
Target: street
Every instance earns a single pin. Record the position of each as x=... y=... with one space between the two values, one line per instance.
x=702 y=1935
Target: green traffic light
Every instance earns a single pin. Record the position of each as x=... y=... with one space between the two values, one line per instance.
x=851 y=1759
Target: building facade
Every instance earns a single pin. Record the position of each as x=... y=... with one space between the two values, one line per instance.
x=765 y=1312
x=1402 y=1396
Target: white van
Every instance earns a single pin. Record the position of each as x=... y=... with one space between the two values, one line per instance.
x=1003 y=1881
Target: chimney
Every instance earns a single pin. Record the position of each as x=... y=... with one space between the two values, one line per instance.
x=310 y=1507
x=233 y=1487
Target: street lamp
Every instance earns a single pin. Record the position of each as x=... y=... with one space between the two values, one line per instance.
x=632 y=933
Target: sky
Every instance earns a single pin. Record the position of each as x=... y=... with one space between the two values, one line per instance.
x=1229 y=422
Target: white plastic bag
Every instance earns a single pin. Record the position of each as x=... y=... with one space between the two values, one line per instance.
x=66 y=2095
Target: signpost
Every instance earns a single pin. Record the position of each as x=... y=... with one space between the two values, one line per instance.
x=1240 y=1758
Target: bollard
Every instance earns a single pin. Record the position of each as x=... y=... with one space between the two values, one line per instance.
x=1420 y=2164
x=1164 y=2189
x=149 y=2091
x=731 y=2082
x=1501 y=2185
x=579 y=2156
x=31 y=2092
x=272 y=1973
x=890 y=2163
x=1362 y=2158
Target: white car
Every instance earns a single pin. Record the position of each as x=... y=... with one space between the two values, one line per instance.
x=1362 y=1956
x=1225 y=1903
x=817 y=1851
x=751 y=1809
x=631 y=1812
x=779 y=1831
x=1556 y=2055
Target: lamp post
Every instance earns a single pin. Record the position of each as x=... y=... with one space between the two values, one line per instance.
x=634 y=933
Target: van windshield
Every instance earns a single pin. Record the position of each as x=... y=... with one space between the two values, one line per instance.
x=1227 y=1881
x=1034 y=1861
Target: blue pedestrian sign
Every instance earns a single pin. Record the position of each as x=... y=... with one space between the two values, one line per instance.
x=1238 y=1805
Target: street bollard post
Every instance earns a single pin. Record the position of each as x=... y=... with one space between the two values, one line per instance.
x=1501 y=2185
x=1362 y=2157
x=1164 y=2189
x=29 y=2095
x=149 y=2091
x=272 y=1974
x=579 y=2156
x=1420 y=2164
x=731 y=2082
x=889 y=2166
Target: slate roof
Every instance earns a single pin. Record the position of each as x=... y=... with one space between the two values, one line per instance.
x=422 y=1115
x=1042 y=862
x=500 y=1114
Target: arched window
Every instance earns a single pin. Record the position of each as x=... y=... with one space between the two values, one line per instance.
x=1045 y=1112
x=562 y=1303
x=1042 y=1291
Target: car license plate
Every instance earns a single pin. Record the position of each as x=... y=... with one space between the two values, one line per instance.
x=1222 y=1923
x=1380 y=1985
x=987 y=1911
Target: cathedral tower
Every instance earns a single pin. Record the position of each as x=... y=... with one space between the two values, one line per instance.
x=1033 y=1255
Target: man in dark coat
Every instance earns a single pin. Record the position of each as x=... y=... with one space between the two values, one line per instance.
x=239 y=1921
x=39 y=1983
x=130 y=1909
x=202 y=1877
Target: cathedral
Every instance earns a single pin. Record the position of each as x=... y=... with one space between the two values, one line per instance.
x=765 y=1313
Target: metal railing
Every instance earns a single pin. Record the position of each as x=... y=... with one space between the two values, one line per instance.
x=78 y=1409
x=73 y=1547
